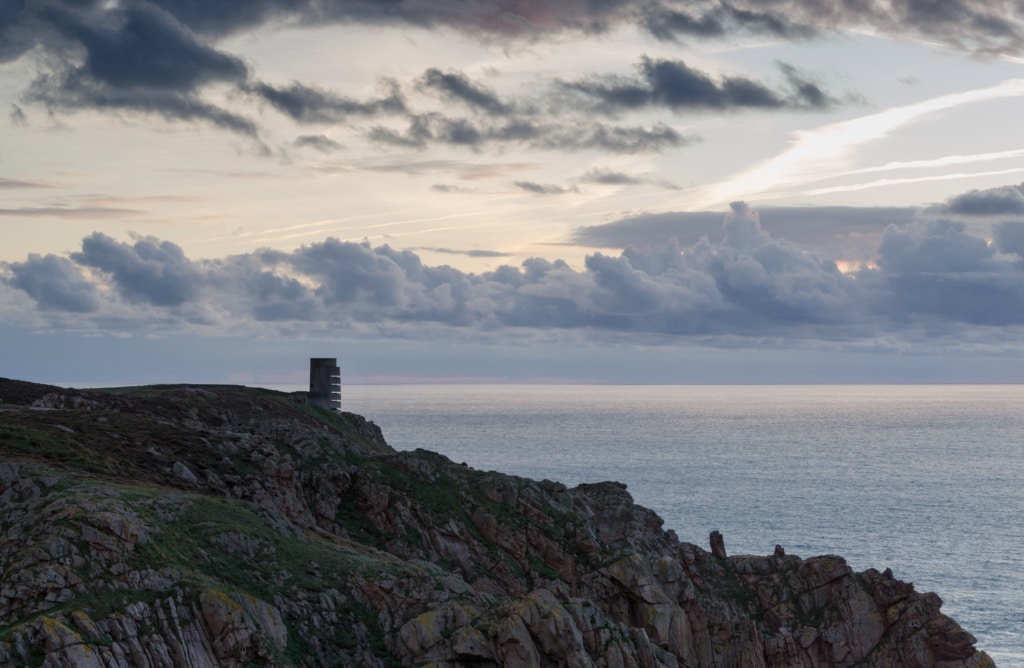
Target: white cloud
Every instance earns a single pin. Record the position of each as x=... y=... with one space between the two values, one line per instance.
x=827 y=151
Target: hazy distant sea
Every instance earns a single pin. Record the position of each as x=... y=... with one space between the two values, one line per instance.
x=926 y=480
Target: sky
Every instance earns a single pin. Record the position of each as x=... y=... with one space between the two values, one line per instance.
x=602 y=191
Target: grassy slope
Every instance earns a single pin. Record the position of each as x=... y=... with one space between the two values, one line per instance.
x=118 y=444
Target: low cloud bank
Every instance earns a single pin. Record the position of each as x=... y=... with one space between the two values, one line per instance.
x=931 y=279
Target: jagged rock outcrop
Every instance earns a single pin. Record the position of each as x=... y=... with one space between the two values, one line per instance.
x=224 y=526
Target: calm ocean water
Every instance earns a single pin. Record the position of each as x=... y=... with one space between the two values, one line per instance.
x=926 y=480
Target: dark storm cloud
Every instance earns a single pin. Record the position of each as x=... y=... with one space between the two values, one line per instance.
x=134 y=57
x=148 y=48
x=55 y=283
x=19 y=31
x=1001 y=201
x=674 y=85
x=310 y=104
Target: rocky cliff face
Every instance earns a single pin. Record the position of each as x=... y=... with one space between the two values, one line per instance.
x=224 y=526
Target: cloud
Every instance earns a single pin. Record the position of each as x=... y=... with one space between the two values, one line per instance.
x=842 y=233
x=150 y=271
x=1009 y=237
x=715 y=21
x=468 y=253
x=609 y=177
x=965 y=24
x=542 y=188
x=88 y=212
x=824 y=152
x=605 y=176
x=933 y=247
x=321 y=143
x=231 y=16
x=562 y=117
x=311 y=104
x=1001 y=201
x=939 y=270
x=148 y=49
x=69 y=93
x=503 y=18
x=157 y=56
x=17 y=32
x=616 y=139
x=933 y=278
x=467 y=170
x=673 y=85
x=257 y=291
x=14 y=184
x=435 y=129
x=161 y=58
x=17 y=116
x=457 y=87
x=981 y=27
x=448 y=188
x=131 y=57
x=55 y=283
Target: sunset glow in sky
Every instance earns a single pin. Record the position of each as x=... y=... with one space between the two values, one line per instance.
x=460 y=190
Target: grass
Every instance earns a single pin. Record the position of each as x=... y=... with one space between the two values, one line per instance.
x=126 y=443
x=279 y=563
x=122 y=444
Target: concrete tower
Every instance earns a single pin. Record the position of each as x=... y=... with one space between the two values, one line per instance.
x=325 y=383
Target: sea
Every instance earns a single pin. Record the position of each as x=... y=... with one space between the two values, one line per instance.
x=927 y=480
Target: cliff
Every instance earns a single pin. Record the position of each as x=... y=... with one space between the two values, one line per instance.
x=226 y=526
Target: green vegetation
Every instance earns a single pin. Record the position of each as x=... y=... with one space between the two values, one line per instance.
x=187 y=494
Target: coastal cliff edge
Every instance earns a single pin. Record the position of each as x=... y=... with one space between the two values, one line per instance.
x=224 y=526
